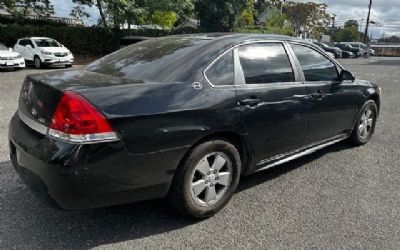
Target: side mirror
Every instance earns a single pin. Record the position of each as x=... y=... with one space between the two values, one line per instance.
x=10 y=49
x=28 y=46
x=346 y=75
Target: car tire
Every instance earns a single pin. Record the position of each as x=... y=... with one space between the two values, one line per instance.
x=206 y=180
x=365 y=125
x=68 y=66
x=37 y=62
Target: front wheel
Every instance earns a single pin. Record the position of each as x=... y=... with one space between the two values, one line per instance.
x=37 y=62
x=207 y=179
x=365 y=125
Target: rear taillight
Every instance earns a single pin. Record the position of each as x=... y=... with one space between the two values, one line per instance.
x=76 y=120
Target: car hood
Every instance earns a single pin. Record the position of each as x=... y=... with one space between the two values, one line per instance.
x=7 y=53
x=54 y=49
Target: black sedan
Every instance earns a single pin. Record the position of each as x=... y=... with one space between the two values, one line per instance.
x=347 y=47
x=183 y=117
x=334 y=50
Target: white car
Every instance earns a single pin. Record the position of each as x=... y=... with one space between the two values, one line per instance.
x=10 y=59
x=44 y=51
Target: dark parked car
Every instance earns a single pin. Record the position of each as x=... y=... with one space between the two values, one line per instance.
x=334 y=50
x=357 y=51
x=183 y=117
x=347 y=54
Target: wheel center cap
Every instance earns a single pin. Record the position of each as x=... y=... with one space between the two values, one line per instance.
x=211 y=178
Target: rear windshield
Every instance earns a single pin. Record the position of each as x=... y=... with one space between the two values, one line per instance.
x=158 y=60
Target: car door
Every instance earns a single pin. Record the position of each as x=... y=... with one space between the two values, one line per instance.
x=271 y=98
x=20 y=47
x=333 y=103
x=29 y=50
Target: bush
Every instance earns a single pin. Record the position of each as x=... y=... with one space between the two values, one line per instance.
x=265 y=30
x=19 y=20
x=92 y=41
x=80 y=40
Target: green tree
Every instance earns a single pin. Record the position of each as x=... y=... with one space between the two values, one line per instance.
x=308 y=17
x=247 y=14
x=219 y=15
x=138 y=11
x=165 y=19
x=351 y=24
x=22 y=8
x=348 y=34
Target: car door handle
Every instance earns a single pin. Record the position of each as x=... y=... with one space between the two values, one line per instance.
x=249 y=102
x=318 y=95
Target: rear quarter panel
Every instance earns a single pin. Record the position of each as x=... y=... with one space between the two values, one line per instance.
x=156 y=117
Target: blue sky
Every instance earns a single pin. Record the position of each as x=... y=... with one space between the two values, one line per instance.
x=384 y=12
x=63 y=8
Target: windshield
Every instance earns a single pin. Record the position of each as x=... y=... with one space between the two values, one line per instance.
x=2 y=47
x=47 y=43
x=161 y=59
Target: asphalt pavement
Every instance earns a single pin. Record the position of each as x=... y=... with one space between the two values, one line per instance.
x=342 y=197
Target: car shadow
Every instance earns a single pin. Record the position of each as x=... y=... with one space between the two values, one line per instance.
x=26 y=223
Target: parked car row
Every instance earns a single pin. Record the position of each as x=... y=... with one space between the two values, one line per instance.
x=37 y=51
x=346 y=49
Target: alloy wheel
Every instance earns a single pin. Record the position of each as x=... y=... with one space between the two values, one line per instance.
x=366 y=123
x=211 y=179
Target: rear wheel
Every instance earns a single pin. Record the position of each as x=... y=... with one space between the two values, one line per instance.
x=207 y=179
x=37 y=62
x=365 y=125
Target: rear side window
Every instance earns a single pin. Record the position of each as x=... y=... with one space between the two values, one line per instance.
x=265 y=63
x=222 y=71
x=316 y=67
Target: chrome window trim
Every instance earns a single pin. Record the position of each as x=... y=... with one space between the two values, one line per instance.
x=233 y=48
x=338 y=66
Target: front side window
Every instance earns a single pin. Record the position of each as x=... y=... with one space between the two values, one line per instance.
x=23 y=42
x=316 y=67
x=222 y=71
x=265 y=63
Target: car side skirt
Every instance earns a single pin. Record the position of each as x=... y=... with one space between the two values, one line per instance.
x=281 y=159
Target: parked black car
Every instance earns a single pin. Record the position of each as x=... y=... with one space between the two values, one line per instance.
x=357 y=51
x=347 y=54
x=183 y=117
x=334 y=50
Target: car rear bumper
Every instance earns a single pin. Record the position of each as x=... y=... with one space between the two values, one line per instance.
x=73 y=176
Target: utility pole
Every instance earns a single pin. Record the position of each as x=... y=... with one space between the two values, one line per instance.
x=367 y=26
x=333 y=26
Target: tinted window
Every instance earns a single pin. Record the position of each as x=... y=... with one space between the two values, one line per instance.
x=265 y=63
x=23 y=42
x=222 y=72
x=316 y=67
x=46 y=43
x=161 y=59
